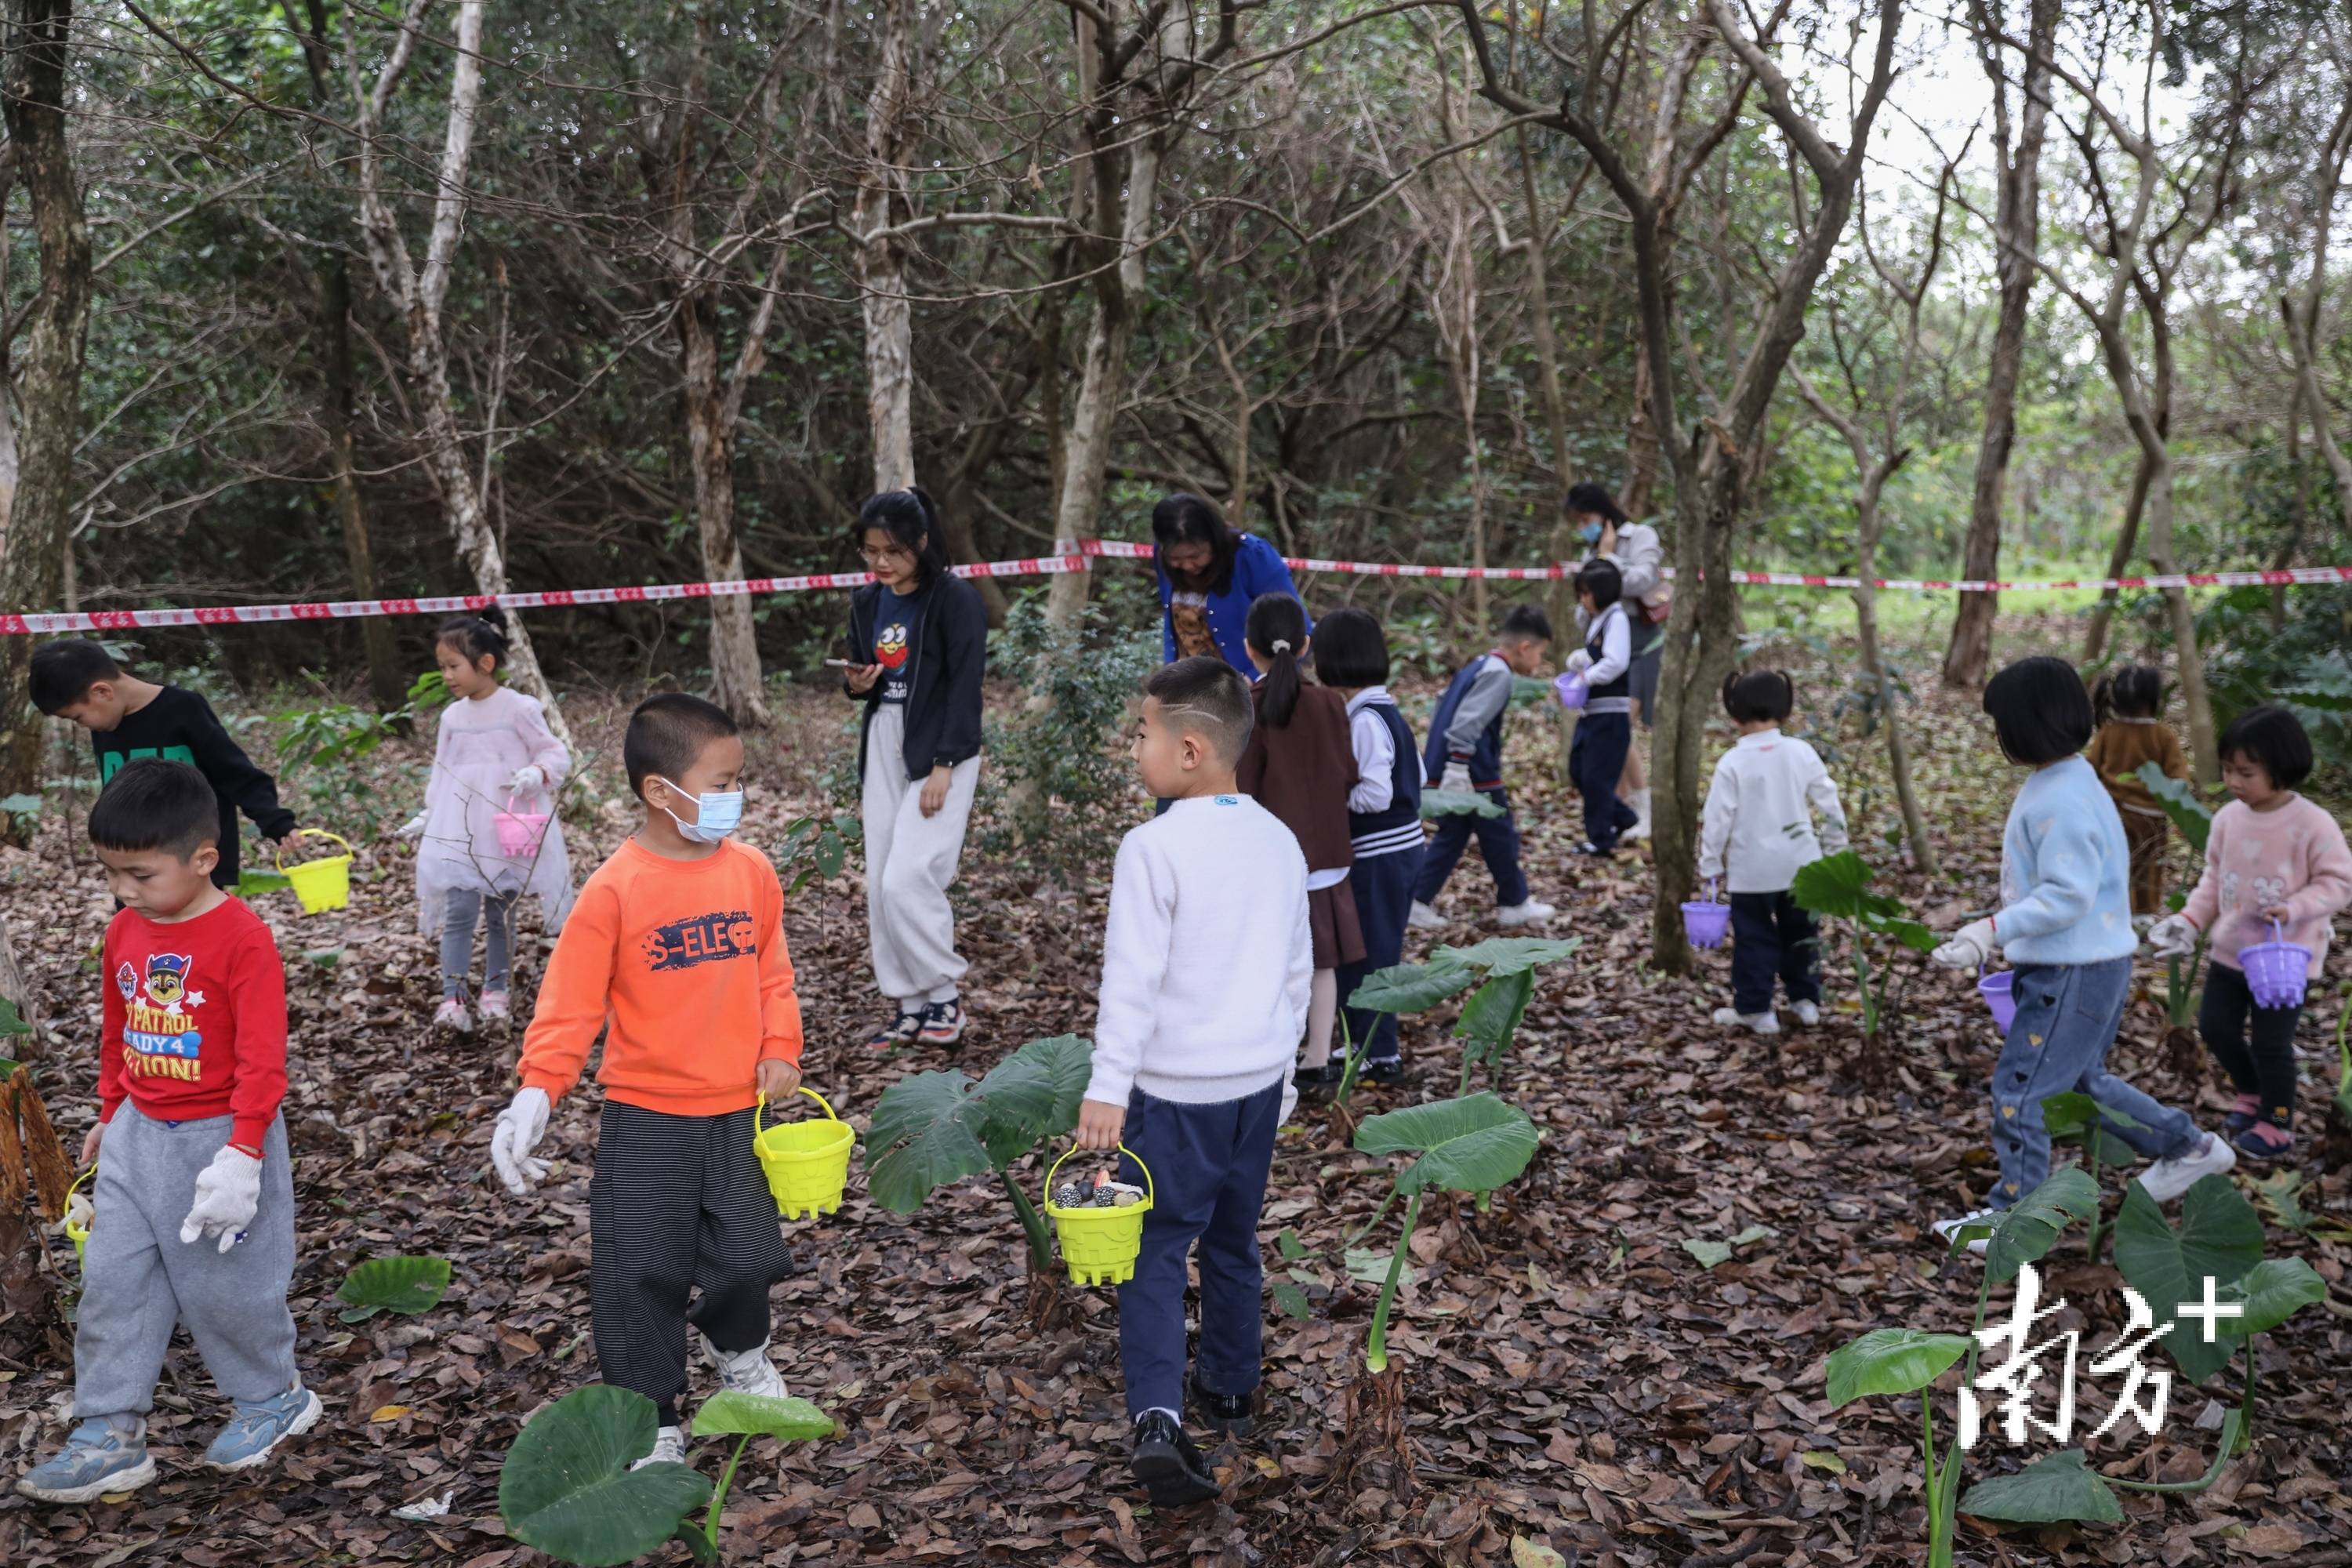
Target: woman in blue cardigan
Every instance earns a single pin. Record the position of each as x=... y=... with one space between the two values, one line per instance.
x=1208 y=576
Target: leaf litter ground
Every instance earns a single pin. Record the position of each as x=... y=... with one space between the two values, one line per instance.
x=1620 y=1362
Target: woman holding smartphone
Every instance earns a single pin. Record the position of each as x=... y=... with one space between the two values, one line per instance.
x=918 y=647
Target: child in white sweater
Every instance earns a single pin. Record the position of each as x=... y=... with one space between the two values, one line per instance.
x=1207 y=971
x=1755 y=836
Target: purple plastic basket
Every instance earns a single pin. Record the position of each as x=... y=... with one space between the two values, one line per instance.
x=2275 y=969
x=1997 y=994
x=1704 y=920
x=1569 y=687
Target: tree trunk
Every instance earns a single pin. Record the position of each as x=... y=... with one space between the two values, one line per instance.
x=735 y=672
x=333 y=335
x=1865 y=613
x=2095 y=637
x=33 y=554
x=2017 y=232
x=2202 y=756
x=881 y=262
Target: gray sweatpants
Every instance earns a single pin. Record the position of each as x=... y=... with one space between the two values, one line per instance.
x=465 y=907
x=910 y=859
x=140 y=1280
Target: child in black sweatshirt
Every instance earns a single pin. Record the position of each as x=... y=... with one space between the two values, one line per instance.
x=77 y=678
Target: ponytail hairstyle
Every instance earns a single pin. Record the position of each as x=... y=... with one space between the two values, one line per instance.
x=475 y=636
x=912 y=520
x=1588 y=499
x=1760 y=696
x=2133 y=691
x=1277 y=628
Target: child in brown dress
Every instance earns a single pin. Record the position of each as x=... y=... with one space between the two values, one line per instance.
x=2126 y=703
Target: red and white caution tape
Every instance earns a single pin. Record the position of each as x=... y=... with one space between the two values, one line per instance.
x=1068 y=557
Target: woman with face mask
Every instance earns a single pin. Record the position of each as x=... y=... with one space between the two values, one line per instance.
x=1636 y=550
x=918 y=647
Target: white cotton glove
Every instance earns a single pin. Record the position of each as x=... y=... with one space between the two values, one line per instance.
x=520 y=1127
x=1971 y=947
x=529 y=779
x=1577 y=661
x=1457 y=778
x=229 y=1191
x=2174 y=936
x=413 y=828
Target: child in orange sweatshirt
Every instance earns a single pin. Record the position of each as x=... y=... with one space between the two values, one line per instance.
x=675 y=950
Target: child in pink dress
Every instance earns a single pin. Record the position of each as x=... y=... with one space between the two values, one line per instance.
x=2272 y=856
x=496 y=753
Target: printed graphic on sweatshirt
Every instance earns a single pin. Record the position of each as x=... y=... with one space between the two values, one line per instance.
x=110 y=762
x=159 y=1037
x=698 y=940
x=891 y=653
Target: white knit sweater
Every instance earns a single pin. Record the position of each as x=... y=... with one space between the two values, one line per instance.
x=1206 y=962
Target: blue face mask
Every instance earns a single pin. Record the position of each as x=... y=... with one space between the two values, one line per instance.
x=1589 y=533
x=716 y=814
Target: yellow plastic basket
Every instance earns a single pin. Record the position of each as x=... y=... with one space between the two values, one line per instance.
x=806 y=1162
x=1101 y=1244
x=77 y=1234
x=324 y=884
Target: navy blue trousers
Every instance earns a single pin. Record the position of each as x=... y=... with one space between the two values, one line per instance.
x=1596 y=760
x=1383 y=884
x=1498 y=843
x=1209 y=1165
x=1772 y=937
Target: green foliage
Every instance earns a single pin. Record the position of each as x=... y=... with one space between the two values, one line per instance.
x=816 y=848
x=728 y=1414
x=321 y=748
x=1058 y=779
x=21 y=810
x=2219 y=1236
x=2074 y=1117
x=1502 y=967
x=11 y=1021
x=2055 y=1488
x=567 y=1489
x=1411 y=987
x=1437 y=803
x=933 y=1127
x=1891 y=1360
x=2178 y=798
x=404 y=1285
x=1839 y=884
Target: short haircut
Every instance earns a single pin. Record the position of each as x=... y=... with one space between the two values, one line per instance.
x=1588 y=499
x=2273 y=737
x=65 y=671
x=2133 y=691
x=1759 y=696
x=155 y=803
x=666 y=734
x=2040 y=711
x=1213 y=698
x=1602 y=581
x=1526 y=623
x=1349 y=650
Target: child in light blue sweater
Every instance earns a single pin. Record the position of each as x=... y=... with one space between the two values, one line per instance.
x=2065 y=922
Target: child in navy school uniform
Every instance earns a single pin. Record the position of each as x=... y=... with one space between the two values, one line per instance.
x=1604 y=731
x=1351 y=657
x=1465 y=753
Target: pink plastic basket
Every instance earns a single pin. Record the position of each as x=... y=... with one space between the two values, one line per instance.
x=520 y=832
x=2276 y=970
x=1569 y=687
x=2000 y=994
x=1705 y=921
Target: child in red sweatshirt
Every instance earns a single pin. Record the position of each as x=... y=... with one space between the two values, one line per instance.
x=675 y=952
x=194 y=1204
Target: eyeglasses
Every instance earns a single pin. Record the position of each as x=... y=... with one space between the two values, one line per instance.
x=889 y=552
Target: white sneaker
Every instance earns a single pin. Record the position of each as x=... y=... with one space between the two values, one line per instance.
x=669 y=1448
x=1756 y=1023
x=2167 y=1179
x=1641 y=828
x=451 y=1015
x=745 y=1371
x=1421 y=917
x=1531 y=913
x=1950 y=1228
x=1808 y=1012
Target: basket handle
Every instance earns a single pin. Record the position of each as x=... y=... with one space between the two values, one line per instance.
x=77 y=1181
x=2278 y=933
x=761 y=1104
x=315 y=833
x=1710 y=892
x=1150 y=1187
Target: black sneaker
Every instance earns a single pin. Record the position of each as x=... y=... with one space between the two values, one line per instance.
x=1171 y=1468
x=1389 y=1069
x=942 y=1024
x=900 y=1031
x=1233 y=1415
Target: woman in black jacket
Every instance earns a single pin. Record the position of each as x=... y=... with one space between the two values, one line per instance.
x=917 y=647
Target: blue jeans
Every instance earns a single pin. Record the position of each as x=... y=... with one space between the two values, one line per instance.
x=1498 y=843
x=2067 y=1014
x=1596 y=761
x=1772 y=937
x=1209 y=1166
x=1383 y=888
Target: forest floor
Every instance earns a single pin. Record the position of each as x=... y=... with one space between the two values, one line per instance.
x=1575 y=1376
